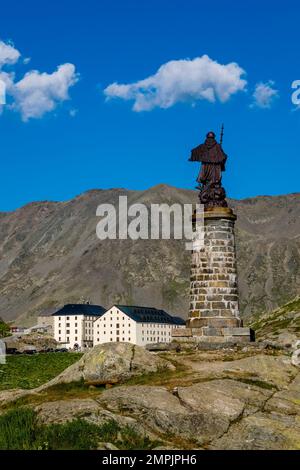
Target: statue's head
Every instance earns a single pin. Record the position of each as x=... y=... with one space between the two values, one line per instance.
x=211 y=135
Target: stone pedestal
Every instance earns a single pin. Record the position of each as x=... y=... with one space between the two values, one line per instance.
x=214 y=303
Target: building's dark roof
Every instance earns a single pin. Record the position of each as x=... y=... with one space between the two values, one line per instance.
x=179 y=321
x=149 y=315
x=81 y=309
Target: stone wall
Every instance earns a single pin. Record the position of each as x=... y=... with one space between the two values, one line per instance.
x=213 y=289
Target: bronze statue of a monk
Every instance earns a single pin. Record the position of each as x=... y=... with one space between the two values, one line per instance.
x=213 y=160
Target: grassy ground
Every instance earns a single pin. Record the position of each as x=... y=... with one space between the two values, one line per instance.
x=20 y=430
x=31 y=371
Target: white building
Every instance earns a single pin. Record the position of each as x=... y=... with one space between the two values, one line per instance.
x=74 y=325
x=137 y=325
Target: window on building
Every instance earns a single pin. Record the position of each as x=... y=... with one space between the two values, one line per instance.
x=104 y=332
x=59 y=332
x=75 y=318
x=68 y=318
x=118 y=325
x=111 y=339
x=67 y=324
x=75 y=325
x=76 y=339
x=76 y=332
x=59 y=339
x=123 y=339
x=68 y=339
x=59 y=324
x=128 y=339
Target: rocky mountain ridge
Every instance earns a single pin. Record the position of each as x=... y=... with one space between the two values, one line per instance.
x=50 y=255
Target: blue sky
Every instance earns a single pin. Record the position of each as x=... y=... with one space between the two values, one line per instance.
x=88 y=142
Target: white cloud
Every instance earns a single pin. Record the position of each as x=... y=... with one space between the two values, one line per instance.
x=37 y=93
x=8 y=54
x=264 y=94
x=182 y=80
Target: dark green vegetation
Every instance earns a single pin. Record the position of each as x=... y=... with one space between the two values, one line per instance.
x=283 y=319
x=4 y=329
x=31 y=371
x=259 y=383
x=20 y=430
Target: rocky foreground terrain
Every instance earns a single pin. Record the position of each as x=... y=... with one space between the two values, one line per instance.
x=50 y=255
x=234 y=398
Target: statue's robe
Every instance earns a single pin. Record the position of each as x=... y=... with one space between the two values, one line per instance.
x=213 y=160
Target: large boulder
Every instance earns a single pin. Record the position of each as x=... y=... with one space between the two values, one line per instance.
x=261 y=431
x=273 y=371
x=111 y=363
x=227 y=398
x=60 y=411
x=161 y=412
x=197 y=413
x=117 y=362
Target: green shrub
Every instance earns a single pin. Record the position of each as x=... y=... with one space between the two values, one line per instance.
x=74 y=435
x=4 y=329
x=17 y=429
x=130 y=439
x=20 y=430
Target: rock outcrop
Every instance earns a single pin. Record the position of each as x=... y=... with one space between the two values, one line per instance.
x=111 y=363
x=242 y=398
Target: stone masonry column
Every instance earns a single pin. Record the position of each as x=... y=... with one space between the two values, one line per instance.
x=214 y=302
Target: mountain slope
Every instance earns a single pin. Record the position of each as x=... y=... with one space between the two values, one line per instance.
x=50 y=255
x=282 y=324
